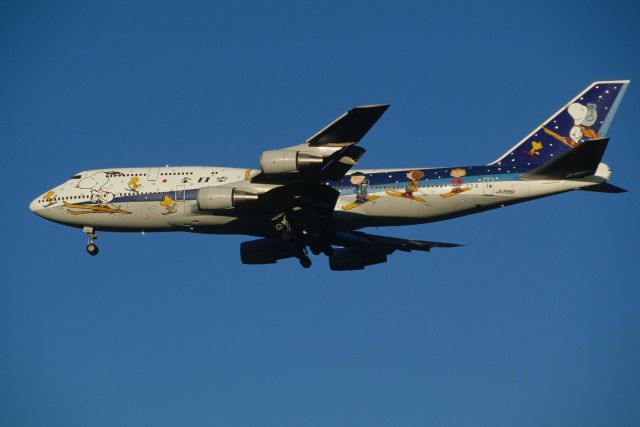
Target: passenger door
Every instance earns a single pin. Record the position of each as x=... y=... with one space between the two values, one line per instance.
x=488 y=186
x=153 y=174
x=179 y=198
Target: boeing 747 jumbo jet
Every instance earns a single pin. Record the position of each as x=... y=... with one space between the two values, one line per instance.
x=306 y=197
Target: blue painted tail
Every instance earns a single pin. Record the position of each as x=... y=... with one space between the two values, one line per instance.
x=587 y=116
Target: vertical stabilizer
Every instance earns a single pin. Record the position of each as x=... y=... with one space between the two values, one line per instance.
x=587 y=116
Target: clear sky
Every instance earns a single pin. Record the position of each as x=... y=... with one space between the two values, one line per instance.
x=534 y=322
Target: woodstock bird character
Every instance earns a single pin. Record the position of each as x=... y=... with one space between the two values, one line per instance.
x=48 y=198
x=133 y=184
x=536 y=146
x=169 y=204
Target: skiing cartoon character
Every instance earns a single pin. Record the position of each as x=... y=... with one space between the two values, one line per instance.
x=99 y=194
x=97 y=186
x=133 y=184
x=456 y=182
x=413 y=186
x=414 y=182
x=358 y=179
x=49 y=198
x=169 y=204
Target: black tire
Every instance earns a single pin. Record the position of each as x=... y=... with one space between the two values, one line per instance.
x=279 y=226
x=305 y=262
x=315 y=250
x=92 y=249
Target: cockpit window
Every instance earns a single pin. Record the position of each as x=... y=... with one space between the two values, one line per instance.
x=75 y=177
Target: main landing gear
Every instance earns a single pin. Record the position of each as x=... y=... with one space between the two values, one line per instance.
x=92 y=248
x=300 y=239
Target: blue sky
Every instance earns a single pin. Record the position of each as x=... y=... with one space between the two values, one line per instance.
x=533 y=322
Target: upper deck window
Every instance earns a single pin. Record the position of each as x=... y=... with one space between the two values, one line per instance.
x=76 y=177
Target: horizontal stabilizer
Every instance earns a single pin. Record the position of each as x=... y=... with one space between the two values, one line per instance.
x=581 y=161
x=605 y=187
x=349 y=128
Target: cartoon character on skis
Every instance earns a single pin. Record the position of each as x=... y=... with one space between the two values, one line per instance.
x=412 y=187
x=414 y=182
x=456 y=182
x=358 y=179
x=134 y=184
x=169 y=204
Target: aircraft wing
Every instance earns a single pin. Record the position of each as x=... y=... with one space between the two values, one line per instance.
x=384 y=244
x=349 y=128
x=327 y=155
x=355 y=249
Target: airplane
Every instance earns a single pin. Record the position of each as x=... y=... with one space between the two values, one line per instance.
x=307 y=197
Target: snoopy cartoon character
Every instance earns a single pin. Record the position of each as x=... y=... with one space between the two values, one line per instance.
x=583 y=117
x=96 y=183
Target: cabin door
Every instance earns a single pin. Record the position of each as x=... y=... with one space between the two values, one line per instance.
x=153 y=174
x=488 y=186
x=179 y=198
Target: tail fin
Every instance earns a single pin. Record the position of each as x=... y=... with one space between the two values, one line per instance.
x=587 y=116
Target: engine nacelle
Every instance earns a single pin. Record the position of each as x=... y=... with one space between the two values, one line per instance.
x=216 y=198
x=352 y=259
x=264 y=251
x=286 y=161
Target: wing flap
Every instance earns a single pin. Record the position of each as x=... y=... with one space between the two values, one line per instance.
x=385 y=244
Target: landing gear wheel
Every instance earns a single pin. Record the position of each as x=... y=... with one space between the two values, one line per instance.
x=279 y=226
x=92 y=248
x=305 y=262
x=328 y=251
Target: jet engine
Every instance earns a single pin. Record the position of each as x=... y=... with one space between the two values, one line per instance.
x=285 y=161
x=264 y=251
x=215 y=198
x=346 y=259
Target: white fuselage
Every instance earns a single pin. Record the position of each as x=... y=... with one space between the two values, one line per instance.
x=164 y=199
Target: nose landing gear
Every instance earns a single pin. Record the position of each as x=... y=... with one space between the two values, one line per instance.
x=92 y=248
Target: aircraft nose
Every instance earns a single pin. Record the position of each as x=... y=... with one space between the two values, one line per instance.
x=34 y=206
